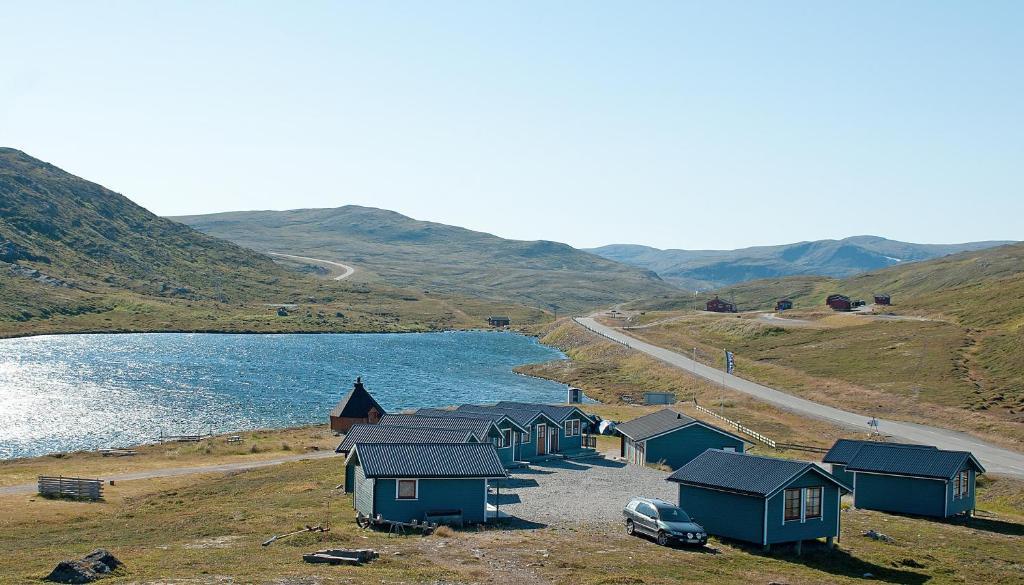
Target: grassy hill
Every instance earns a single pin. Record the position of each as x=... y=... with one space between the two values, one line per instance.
x=75 y=256
x=947 y=351
x=401 y=251
x=708 y=269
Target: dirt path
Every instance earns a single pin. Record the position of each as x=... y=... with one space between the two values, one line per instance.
x=346 y=270
x=30 y=488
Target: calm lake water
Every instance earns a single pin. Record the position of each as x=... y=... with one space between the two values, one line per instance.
x=70 y=392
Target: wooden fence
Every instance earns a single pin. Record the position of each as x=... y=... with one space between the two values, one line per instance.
x=737 y=426
x=71 y=487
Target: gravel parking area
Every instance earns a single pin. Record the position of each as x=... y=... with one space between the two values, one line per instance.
x=579 y=492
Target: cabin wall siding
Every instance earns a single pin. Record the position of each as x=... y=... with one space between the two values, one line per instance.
x=724 y=513
x=362 y=496
x=906 y=495
x=961 y=505
x=839 y=472
x=828 y=525
x=434 y=494
x=679 y=447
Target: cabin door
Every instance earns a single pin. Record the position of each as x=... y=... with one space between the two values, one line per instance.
x=542 y=439
x=554 y=439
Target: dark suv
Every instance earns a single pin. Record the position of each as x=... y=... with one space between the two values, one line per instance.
x=663 y=521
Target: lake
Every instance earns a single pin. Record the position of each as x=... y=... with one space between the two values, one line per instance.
x=72 y=392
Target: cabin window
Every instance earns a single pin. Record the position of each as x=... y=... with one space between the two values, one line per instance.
x=525 y=437
x=506 y=438
x=965 y=484
x=572 y=427
x=792 y=511
x=956 y=486
x=407 y=489
x=813 y=503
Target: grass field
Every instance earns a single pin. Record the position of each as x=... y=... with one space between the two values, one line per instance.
x=208 y=529
x=922 y=371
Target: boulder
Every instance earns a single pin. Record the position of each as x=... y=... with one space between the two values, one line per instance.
x=99 y=563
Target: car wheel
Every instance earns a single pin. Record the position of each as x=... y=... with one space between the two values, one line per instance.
x=662 y=538
x=630 y=529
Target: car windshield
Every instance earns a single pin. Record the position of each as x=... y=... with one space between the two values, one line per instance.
x=672 y=515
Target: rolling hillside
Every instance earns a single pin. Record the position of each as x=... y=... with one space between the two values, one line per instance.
x=710 y=269
x=75 y=256
x=440 y=258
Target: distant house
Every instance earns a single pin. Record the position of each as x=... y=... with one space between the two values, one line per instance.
x=762 y=500
x=378 y=433
x=717 y=305
x=883 y=299
x=356 y=407
x=923 y=482
x=843 y=450
x=405 y=482
x=839 y=302
x=672 y=438
x=498 y=321
x=783 y=305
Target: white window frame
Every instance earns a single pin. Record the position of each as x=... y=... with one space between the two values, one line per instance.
x=507 y=438
x=524 y=438
x=416 y=484
x=965 y=484
x=572 y=427
x=821 y=502
x=800 y=517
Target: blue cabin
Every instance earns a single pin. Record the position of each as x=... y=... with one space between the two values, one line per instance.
x=843 y=451
x=922 y=482
x=406 y=482
x=545 y=429
x=377 y=433
x=671 y=438
x=757 y=499
x=574 y=426
x=504 y=436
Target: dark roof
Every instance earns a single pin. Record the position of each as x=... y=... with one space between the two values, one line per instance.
x=932 y=463
x=480 y=427
x=653 y=424
x=357 y=403
x=844 y=449
x=557 y=412
x=521 y=417
x=746 y=474
x=376 y=433
x=429 y=460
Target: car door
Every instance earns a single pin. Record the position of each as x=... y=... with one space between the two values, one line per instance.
x=647 y=518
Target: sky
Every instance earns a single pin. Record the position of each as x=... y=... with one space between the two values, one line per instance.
x=671 y=124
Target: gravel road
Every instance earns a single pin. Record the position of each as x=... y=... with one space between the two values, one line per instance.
x=579 y=492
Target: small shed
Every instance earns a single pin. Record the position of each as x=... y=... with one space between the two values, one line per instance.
x=671 y=438
x=922 y=482
x=356 y=407
x=717 y=305
x=497 y=321
x=757 y=499
x=783 y=305
x=843 y=450
x=379 y=433
x=405 y=482
x=659 y=397
x=839 y=302
x=883 y=299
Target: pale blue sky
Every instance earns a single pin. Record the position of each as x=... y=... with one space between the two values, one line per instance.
x=675 y=124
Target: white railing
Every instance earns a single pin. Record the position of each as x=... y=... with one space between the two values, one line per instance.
x=745 y=430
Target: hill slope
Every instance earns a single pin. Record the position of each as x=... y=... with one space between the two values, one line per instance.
x=406 y=252
x=708 y=269
x=76 y=256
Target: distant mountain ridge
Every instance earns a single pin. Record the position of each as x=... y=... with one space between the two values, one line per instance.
x=407 y=252
x=711 y=269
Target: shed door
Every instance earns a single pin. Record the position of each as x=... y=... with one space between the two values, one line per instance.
x=554 y=439
x=542 y=439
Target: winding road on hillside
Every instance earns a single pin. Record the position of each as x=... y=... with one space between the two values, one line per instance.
x=995 y=459
x=346 y=270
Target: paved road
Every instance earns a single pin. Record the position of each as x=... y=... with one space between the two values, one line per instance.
x=347 y=270
x=30 y=488
x=995 y=459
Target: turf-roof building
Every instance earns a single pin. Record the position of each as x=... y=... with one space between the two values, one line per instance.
x=907 y=480
x=406 y=482
x=762 y=500
x=672 y=438
x=839 y=456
